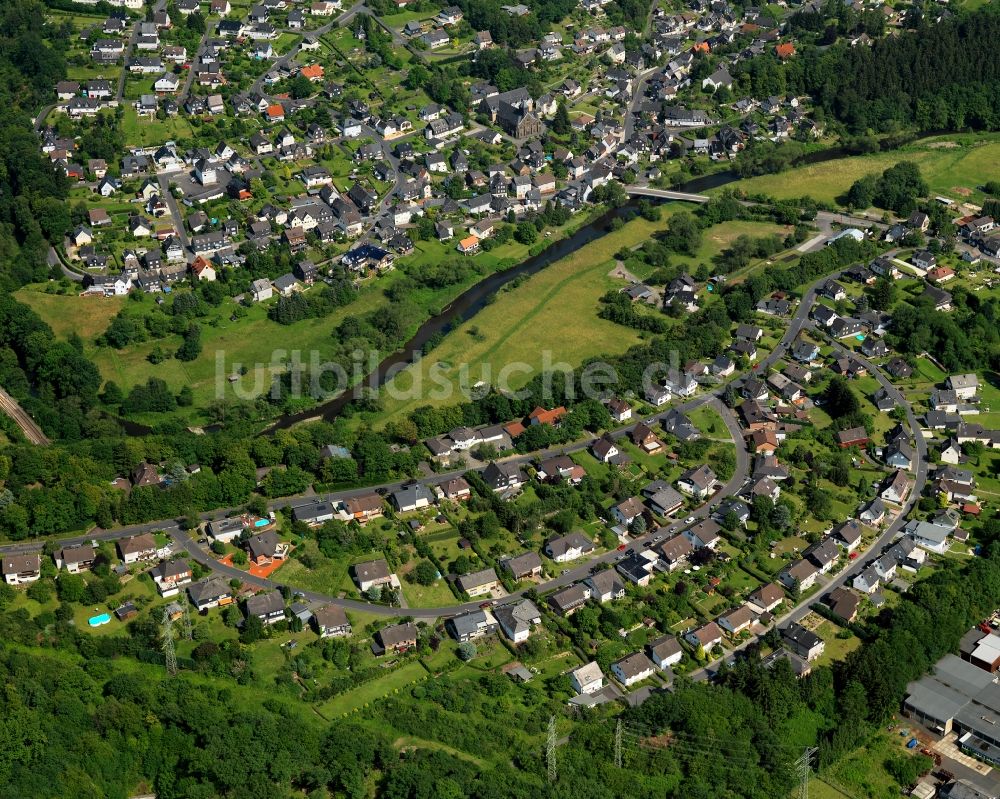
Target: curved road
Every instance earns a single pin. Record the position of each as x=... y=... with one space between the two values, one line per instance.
x=798 y=322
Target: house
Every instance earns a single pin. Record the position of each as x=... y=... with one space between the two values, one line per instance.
x=675 y=551
x=268 y=607
x=471 y=625
x=22 y=569
x=664 y=500
x=170 y=575
x=456 y=489
x=372 y=574
x=503 y=477
x=261 y=289
x=226 y=530
x=644 y=438
x=708 y=636
x=587 y=679
x=524 y=566
x=665 y=651
x=479 y=583
x=313 y=513
x=868 y=581
x=823 y=554
x=704 y=535
x=896 y=488
x=847 y=534
x=843 y=603
x=75 y=559
x=852 y=437
x=331 y=621
x=137 y=547
x=628 y=510
x=965 y=386
x=638 y=567
x=517 y=621
x=604 y=450
x=266 y=548
x=802 y=573
x=395 y=638
x=737 y=620
x=210 y=593
x=605 y=585
x=411 y=498
x=804 y=643
x=929 y=536
x=633 y=668
x=766 y=598
x=561 y=467
x=900 y=455
x=697 y=482
x=923 y=259
x=567 y=601
x=569 y=547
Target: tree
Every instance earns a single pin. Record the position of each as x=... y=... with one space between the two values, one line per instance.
x=683 y=234
x=466 y=651
x=253 y=630
x=525 y=233
x=638 y=526
x=883 y=293
x=840 y=399
x=70 y=587
x=425 y=572
x=560 y=122
x=190 y=349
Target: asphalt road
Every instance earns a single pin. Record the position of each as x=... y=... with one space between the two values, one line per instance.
x=798 y=322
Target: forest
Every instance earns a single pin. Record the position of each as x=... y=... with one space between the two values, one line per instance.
x=945 y=75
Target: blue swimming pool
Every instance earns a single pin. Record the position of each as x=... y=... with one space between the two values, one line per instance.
x=261 y=523
x=97 y=621
x=860 y=337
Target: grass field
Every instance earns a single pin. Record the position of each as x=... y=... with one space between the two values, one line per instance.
x=953 y=165
x=88 y=317
x=551 y=316
x=364 y=695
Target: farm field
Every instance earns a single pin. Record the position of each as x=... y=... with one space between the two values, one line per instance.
x=954 y=166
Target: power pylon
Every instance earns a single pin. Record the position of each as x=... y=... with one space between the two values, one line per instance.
x=169 y=652
x=803 y=766
x=550 y=750
x=188 y=635
x=618 y=743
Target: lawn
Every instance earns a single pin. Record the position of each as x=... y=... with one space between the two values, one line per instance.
x=436 y=595
x=88 y=317
x=142 y=132
x=836 y=648
x=707 y=419
x=548 y=319
x=364 y=695
x=952 y=165
x=863 y=773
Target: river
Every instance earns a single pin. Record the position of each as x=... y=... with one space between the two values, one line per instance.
x=476 y=297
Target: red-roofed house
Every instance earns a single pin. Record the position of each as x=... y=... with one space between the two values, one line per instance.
x=785 y=50
x=275 y=113
x=542 y=416
x=313 y=71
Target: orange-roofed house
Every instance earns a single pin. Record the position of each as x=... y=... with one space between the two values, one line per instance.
x=542 y=416
x=202 y=269
x=275 y=113
x=514 y=429
x=785 y=50
x=701 y=47
x=313 y=71
x=469 y=245
x=940 y=274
